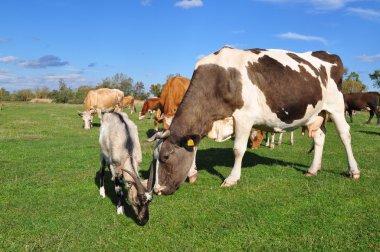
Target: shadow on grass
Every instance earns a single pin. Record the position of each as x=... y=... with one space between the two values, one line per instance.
x=97 y=125
x=209 y=158
x=109 y=187
x=369 y=132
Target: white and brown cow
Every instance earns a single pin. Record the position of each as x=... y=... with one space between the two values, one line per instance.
x=100 y=101
x=269 y=89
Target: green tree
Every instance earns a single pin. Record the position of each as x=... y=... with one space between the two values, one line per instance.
x=22 y=95
x=155 y=89
x=119 y=81
x=353 y=84
x=172 y=75
x=4 y=95
x=81 y=94
x=375 y=77
x=139 y=91
x=64 y=94
x=41 y=92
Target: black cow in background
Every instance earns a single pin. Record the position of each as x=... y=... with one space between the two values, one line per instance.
x=359 y=101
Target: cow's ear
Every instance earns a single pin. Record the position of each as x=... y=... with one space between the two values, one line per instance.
x=80 y=113
x=191 y=141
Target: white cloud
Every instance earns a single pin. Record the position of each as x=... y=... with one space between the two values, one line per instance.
x=8 y=59
x=62 y=76
x=189 y=3
x=370 y=59
x=316 y=4
x=296 y=36
x=364 y=13
x=145 y=2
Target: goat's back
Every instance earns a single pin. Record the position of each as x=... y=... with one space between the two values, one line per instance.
x=119 y=138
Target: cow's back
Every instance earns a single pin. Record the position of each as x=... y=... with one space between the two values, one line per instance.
x=107 y=99
x=172 y=94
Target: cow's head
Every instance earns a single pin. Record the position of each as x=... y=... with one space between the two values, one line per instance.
x=173 y=160
x=87 y=117
x=222 y=130
x=140 y=194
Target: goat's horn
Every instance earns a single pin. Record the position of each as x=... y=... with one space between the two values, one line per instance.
x=139 y=185
x=151 y=177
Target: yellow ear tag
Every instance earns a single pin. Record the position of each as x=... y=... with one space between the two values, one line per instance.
x=190 y=142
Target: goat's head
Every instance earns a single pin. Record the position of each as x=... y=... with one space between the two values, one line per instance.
x=140 y=194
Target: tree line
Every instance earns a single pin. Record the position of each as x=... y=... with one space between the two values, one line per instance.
x=65 y=94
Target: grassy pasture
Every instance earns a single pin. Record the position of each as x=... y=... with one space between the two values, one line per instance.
x=49 y=196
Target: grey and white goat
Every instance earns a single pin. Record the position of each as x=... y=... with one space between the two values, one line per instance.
x=120 y=151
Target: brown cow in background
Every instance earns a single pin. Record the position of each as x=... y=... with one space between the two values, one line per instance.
x=359 y=101
x=101 y=101
x=171 y=96
x=149 y=106
x=129 y=102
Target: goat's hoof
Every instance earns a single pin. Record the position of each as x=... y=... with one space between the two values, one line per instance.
x=102 y=192
x=193 y=178
x=120 y=210
x=228 y=184
x=309 y=174
x=355 y=176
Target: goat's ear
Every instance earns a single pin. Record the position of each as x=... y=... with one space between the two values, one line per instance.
x=191 y=141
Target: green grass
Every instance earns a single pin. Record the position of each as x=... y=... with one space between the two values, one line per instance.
x=49 y=196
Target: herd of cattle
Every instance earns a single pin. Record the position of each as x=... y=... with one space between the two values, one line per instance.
x=232 y=92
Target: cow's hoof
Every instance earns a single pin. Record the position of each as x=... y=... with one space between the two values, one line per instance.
x=355 y=176
x=193 y=178
x=228 y=184
x=309 y=174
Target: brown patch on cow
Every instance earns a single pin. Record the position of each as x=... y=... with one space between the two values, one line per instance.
x=214 y=94
x=336 y=71
x=303 y=61
x=256 y=50
x=287 y=92
x=323 y=75
x=217 y=52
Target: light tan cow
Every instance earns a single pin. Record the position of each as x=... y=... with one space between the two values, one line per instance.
x=100 y=101
x=129 y=102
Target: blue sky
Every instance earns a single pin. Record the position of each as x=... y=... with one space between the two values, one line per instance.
x=85 y=41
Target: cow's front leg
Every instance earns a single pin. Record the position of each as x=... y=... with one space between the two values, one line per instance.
x=192 y=175
x=319 y=141
x=242 y=131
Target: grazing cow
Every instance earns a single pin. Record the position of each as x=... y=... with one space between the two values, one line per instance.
x=100 y=101
x=149 y=107
x=359 y=101
x=170 y=98
x=272 y=90
x=222 y=130
x=129 y=102
x=120 y=151
x=270 y=141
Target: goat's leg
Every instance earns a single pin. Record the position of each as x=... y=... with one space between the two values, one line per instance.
x=102 y=191
x=120 y=193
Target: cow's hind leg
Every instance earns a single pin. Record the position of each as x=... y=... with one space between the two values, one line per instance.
x=242 y=131
x=371 y=114
x=343 y=130
x=319 y=141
